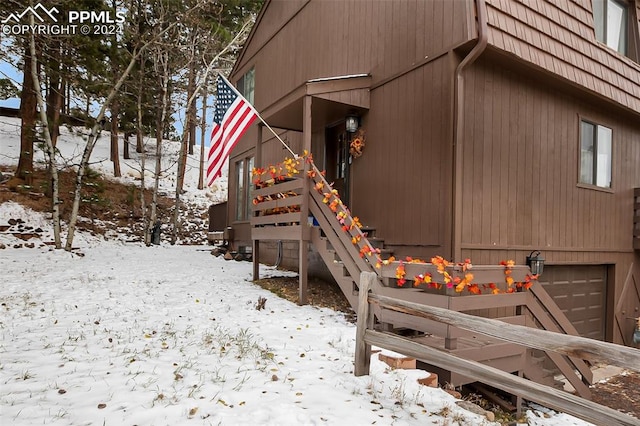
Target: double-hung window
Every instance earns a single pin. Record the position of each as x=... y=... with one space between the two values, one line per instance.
x=611 y=18
x=595 y=154
x=244 y=188
x=247 y=84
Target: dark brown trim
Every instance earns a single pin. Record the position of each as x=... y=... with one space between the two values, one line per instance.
x=414 y=67
x=467 y=246
x=595 y=187
x=458 y=129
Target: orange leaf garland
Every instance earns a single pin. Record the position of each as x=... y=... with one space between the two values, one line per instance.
x=400 y=274
x=365 y=250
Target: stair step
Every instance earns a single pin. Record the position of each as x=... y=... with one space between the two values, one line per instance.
x=339 y=270
x=369 y=231
x=386 y=253
x=348 y=285
x=376 y=242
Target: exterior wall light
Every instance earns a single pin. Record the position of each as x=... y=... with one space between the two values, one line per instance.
x=351 y=123
x=535 y=262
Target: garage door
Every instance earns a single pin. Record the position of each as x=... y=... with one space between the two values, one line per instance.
x=580 y=291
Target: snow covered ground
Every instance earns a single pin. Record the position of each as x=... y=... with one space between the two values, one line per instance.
x=123 y=334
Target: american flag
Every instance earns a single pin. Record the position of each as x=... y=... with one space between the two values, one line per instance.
x=233 y=116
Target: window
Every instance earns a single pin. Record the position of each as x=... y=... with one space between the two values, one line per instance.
x=244 y=188
x=246 y=85
x=611 y=20
x=595 y=154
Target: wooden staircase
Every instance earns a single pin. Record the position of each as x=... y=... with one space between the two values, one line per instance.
x=348 y=249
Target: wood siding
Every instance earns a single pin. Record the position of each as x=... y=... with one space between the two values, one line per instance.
x=402 y=184
x=296 y=41
x=331 y=38
x=520 y=177
x=559 y=37
x=521 y=156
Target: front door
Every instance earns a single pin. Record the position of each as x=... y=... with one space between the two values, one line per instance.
x=337 y=160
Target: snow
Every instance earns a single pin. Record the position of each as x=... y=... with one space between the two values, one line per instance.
x=119 y=333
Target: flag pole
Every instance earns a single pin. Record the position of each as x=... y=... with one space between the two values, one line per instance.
x=278 y=137
x=260 y=117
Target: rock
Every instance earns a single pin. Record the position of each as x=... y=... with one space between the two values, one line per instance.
x=228 y=256
x=476 y=409
x=453 y=393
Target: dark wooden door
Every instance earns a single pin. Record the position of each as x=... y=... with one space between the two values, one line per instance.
x=337 y=160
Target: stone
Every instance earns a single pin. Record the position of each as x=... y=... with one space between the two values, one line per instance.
x=476 y=409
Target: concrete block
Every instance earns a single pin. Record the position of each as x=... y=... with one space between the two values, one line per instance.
x=431 y=380
x=398 y=362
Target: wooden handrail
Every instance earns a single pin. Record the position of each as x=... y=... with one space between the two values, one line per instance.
x=530 y=337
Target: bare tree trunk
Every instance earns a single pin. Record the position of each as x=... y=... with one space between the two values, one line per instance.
x=203 y=131
x=28 y=113
x=139 y=142
x=183 y=152
x=50 y=151
x=163 y=64
x=125 y=146
x=91 y=142
x=115 y=155
x=191 y=113
x=143 y=204
x=54 y=96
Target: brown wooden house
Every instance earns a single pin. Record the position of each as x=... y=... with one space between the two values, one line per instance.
x=493 y=128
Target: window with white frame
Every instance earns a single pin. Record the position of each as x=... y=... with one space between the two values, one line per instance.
x=244 y=188
x=246 y=85
x=595 y=154
x=611 y=18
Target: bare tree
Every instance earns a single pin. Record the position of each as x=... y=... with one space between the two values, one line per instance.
x=203 y=130
x=163 y=70
x=28 y=114
x=50 y=151
x=233 y=44
x=95 y=133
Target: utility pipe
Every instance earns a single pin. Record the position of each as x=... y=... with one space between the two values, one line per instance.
x=458 y=125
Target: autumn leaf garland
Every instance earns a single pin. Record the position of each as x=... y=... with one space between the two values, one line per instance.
x=352 y=226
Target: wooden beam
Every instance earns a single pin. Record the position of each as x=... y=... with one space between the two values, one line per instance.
x=276 y=233
x=572 y=346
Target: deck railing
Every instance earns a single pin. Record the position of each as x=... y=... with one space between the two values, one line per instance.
x=278 y=214
x=559 y=344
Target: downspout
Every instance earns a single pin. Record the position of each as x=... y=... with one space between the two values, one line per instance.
x=458 y=124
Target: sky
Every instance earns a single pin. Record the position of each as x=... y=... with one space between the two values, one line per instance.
x=117 y=333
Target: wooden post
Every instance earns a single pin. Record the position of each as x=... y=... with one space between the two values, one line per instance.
x=304 y=206
x=255 y=249
x=363 y=350
x=256 y=263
